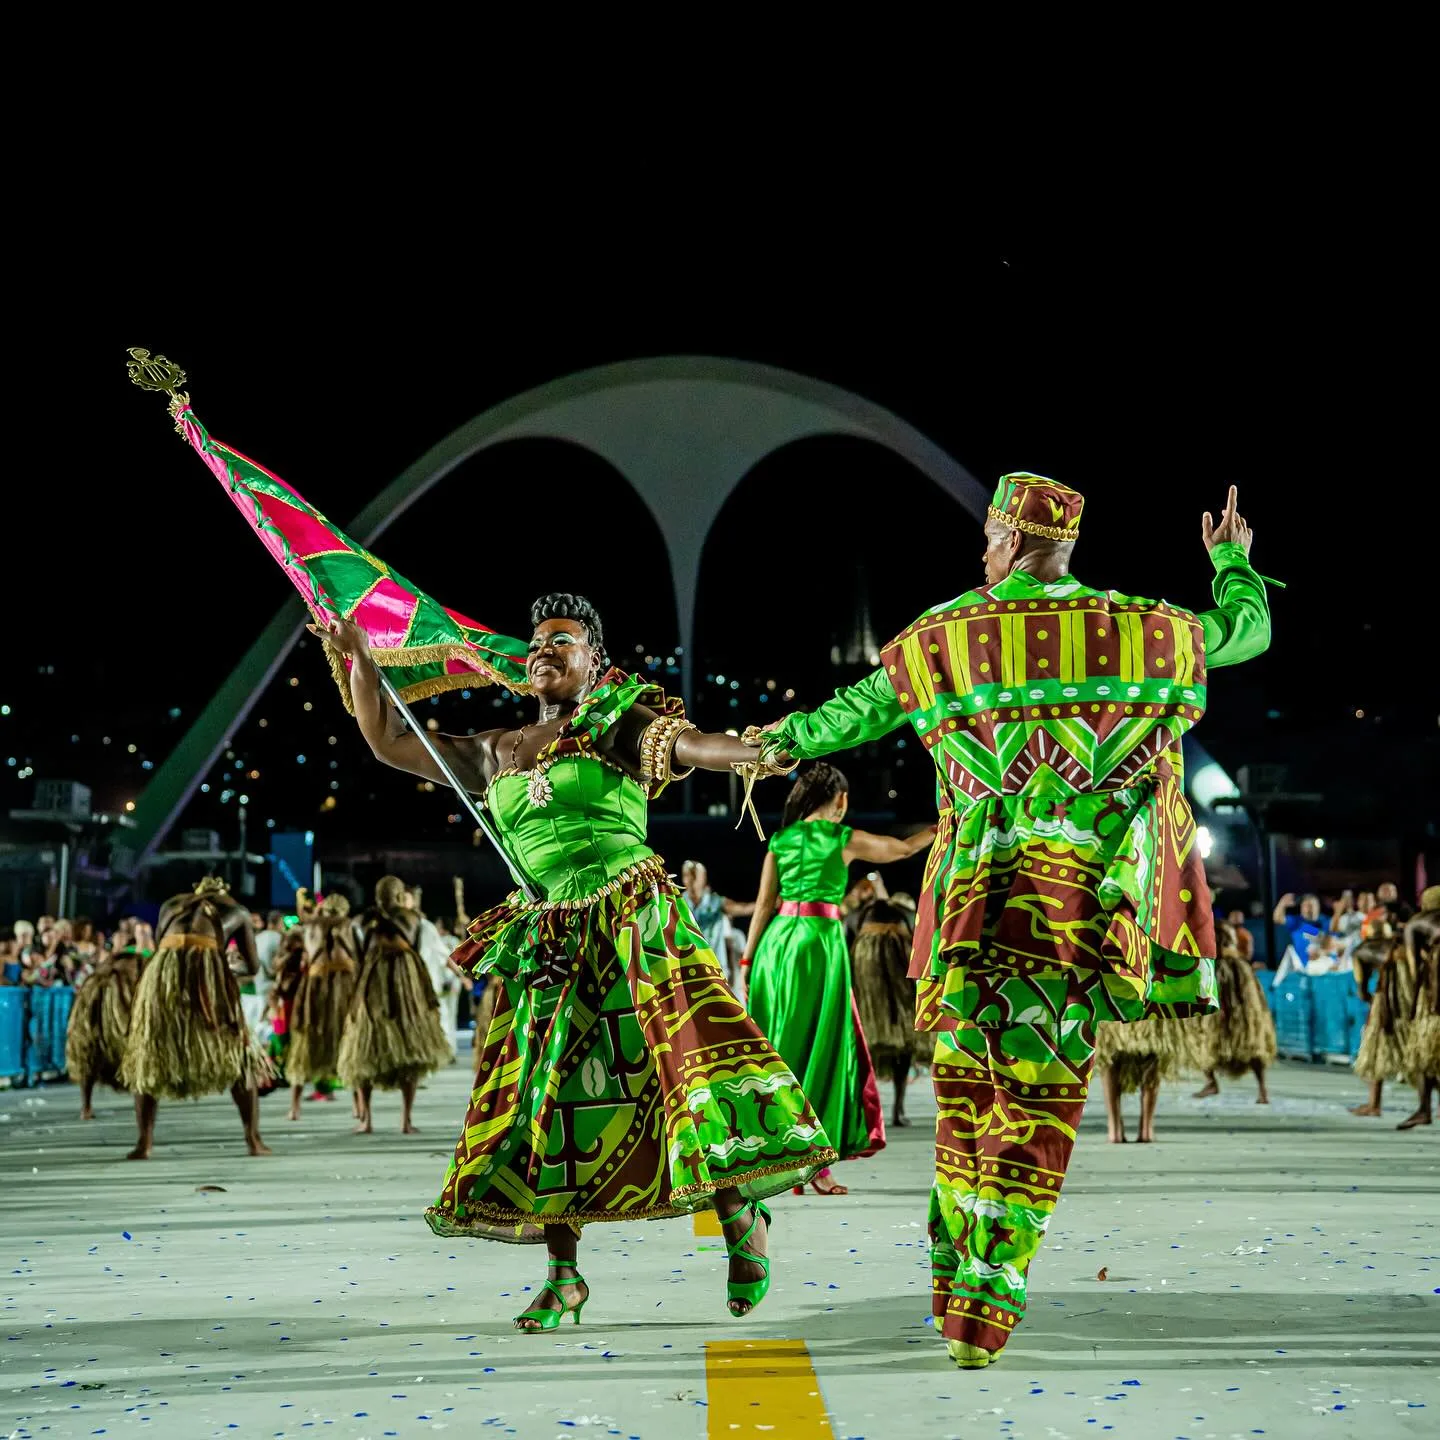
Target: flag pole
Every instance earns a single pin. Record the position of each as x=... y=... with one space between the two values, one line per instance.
x=158 y=374
x=466 y=798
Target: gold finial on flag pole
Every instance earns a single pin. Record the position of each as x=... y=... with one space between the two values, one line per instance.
x=155 y=372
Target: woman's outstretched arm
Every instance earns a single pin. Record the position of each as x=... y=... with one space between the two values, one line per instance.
x=886 y=849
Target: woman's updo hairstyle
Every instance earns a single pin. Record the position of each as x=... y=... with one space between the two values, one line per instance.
x=560 y=606
x=818 y=786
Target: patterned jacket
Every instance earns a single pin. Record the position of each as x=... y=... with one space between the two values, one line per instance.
x=1053 y=714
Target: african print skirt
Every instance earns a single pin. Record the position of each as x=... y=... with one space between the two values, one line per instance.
x=620 y=1079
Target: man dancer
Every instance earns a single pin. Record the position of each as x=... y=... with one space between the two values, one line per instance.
x=1064 y=887
x=188 y=1035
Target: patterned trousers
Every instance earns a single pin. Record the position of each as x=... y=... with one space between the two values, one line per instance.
x=1009 y=1103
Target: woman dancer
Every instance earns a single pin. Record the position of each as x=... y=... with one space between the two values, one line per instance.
x=880 y=962
x=393 y=1037
x=1384 y=1052
x=621 y=1079
x=100 y=1020
x=800 y=993
x=1240 y=1036
x=316 y=1015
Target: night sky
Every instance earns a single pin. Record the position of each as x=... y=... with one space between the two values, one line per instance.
x=1148 y=383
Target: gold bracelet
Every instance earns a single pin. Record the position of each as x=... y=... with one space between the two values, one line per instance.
x=657 y=752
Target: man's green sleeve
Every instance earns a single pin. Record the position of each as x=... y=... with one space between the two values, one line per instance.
x=1239 y=626
x=858 y=713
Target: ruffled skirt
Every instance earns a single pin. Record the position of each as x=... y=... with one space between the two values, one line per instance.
x=620 y=1078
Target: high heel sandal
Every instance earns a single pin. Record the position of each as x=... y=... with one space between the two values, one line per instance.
x=750 y=1292
x=548 y=1319
x=835 y=1187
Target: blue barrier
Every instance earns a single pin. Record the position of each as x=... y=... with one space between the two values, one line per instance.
x=1317 y=1015
x=14 y=1012
x=1294 y=1018
x=33 y=1022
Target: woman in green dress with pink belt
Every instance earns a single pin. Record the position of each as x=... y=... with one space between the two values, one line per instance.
x=800 y=992
x=620 y=1077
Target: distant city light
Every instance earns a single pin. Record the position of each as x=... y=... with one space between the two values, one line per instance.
x=892 y=793
x=719 y=679
x=132 y=748
x=299 y=759
x=329 y=803
x=769 y=684
x=789 y=694
x=104 y=739
x=308 y=705
x=74 y=739
x=129 y=805
x=1318 y=842
x=269 y=824
x=254 y=774
x=264 y=723
x=147 y=764
x=4 y=709
x=12 y=761
x=205 y=789
x=331 y=740
x=294 y=680
x=334 y=784
x=1204 y=840
x=174 y=712
x=432 y=723
x=1359 y=714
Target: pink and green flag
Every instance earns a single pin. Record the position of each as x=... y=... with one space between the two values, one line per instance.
x=423 y=646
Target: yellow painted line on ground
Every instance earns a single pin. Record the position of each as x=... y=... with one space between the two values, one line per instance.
x=755 y=1387
x=707 y=1222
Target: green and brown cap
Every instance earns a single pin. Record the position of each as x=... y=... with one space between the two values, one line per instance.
x=1037 y=506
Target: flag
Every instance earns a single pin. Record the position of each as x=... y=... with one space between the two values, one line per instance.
x=424 y=647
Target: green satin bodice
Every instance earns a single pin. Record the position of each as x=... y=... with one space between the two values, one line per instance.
x=811 y=858
x=592 y=827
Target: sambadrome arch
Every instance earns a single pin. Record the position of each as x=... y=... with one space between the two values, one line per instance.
x=683 y=430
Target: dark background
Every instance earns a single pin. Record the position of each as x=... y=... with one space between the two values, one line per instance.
x=1149 y=370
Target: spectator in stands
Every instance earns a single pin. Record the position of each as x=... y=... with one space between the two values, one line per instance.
x=1389 y=908
x=1303 y=925
x=10 y=966
x=24 y=941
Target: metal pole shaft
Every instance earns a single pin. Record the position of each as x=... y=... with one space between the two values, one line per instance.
x=466 y=799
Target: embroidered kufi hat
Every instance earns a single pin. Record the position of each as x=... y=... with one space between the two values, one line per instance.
x=1037 y=506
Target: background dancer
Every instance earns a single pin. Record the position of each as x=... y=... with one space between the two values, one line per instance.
x=800 y=992
x=885 y=995
x=1064 y=887
x=615 y=1022
x=100 y=1019
x=1384 y=1052
x=188 y=1035
x=1422 y=945
x=323 y=998
x=393 y=1037
x=1240 y=1035
x=713 y=914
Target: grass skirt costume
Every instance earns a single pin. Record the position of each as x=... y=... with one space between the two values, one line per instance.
x=884 y=993
x=100 y=1021
x=1385 y=1051
x=188 y=1035
x=323 y=999
x=1142 y=1053
x=1242 y=1031
x=620 y=1079
x=800 y=992
x=393 y=1036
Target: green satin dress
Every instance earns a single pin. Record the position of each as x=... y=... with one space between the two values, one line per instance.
x=620 y=1078
x=801 y=994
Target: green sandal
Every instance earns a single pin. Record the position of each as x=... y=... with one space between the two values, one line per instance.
x=750 y=1292
x=550 y=1319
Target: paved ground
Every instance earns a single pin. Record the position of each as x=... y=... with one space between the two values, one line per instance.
x=1269 y=1273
